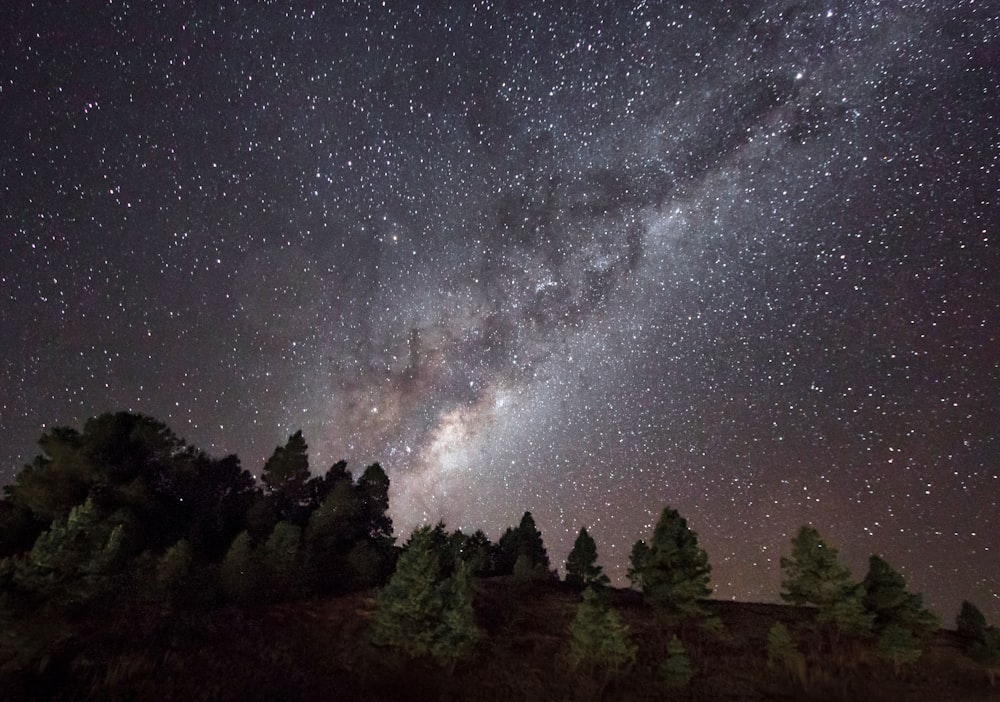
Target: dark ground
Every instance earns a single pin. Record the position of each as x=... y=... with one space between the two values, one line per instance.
x=318 y=650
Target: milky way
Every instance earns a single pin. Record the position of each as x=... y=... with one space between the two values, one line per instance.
x=739 y=258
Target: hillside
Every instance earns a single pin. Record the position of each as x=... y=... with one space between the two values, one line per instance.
x=318 y=650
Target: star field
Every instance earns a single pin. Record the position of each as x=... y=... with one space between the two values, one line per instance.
x=739 y=258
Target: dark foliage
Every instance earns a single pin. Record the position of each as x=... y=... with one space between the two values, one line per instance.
x=133 y=566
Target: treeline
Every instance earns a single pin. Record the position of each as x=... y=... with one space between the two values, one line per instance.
x=126 y=513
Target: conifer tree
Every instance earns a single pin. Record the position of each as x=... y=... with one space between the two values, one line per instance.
x=636 y=563
x=523 y=544
x=174 y=568
x=286 y=476
x=280 y=560
x=886 y=597
x=677 y=670
x=77 y=558
x=373 y=494
x=899 y=645
x=970 y=622
x=600 y=642
x=815 y=575
x=239 y=573
x=582 y=569
x=782 y=652
x=675 y=570
x=981 y=642
x=421 y=611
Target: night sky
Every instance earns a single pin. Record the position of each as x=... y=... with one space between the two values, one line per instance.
x=583 y=259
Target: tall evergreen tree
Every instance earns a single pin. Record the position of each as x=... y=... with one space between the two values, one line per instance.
x=600 y=642
x=280 y=560
x=815 y=575
x=523 y=544
x=970 y=622
x=286 y=476
x=582 y=569
x=636 y=563
x=677 y=670
x=675 y=571
x=373 y=494
x=981 y=642
x=240 y=572
x=421 y=611
x=886 y=597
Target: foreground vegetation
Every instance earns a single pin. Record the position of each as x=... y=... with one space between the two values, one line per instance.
x=136 y=567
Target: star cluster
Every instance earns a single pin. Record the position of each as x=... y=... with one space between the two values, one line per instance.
x=739 y=258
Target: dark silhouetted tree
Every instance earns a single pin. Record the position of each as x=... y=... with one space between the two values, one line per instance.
x=286 y=474
x=373 y=493
x=279 y=557
x=675 y=570
x=970 y=622
x=333 y=530
x=521 y=551
x=240 y=572
x=898 y=645
x=173 y=570
x=886 y=597
x=78 y=559
x=581 y=564
x=636 y=563
x=981 y=642
x=783 y=653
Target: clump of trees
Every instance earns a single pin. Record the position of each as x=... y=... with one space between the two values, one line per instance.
x=849 y=615
x=126 y=513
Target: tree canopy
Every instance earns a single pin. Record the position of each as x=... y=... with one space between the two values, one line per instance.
x=674 y=569
x=582 y=569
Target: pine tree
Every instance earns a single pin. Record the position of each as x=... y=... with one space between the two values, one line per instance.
x=421 y=611
x=581 y=564
x=677 y=670
x=982 y=642
x=373 y=494
x=174 y=568
x=523 y=544
x=675 y=570
x=77 y=559
x=899 y=645
x=637 y=561
x=815 y=575
x=782 y=652
x=970 y=622
x=286 y=475
x=887 y=599
x=600 y=642
x=239 y=574
x=280 y=561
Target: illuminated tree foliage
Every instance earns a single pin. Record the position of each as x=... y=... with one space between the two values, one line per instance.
x=423 y=611
x=600 y=642
x=674 y=570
